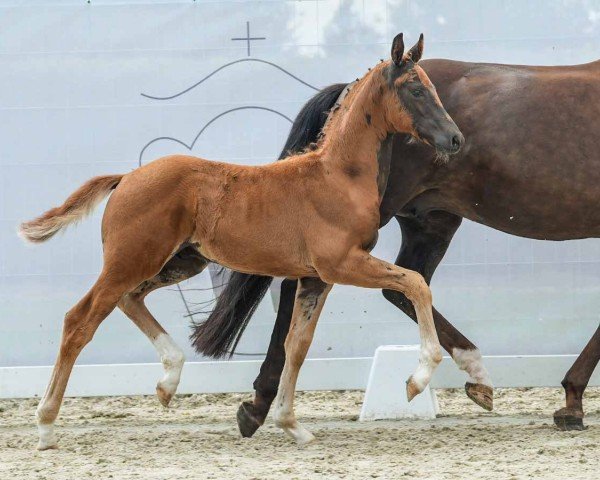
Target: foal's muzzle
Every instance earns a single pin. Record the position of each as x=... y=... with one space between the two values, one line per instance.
x=450 y=142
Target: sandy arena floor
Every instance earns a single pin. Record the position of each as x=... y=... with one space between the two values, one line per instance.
x=135 y=438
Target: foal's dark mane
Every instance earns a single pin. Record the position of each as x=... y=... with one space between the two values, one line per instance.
x=220 y=333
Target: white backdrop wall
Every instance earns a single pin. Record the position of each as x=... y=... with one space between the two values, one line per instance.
x=80 y=95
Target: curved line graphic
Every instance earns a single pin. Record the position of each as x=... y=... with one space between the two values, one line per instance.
x=206 y=125
x=222 y=68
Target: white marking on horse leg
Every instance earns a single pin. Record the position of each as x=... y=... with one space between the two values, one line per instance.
x=310 y=297
x=284 y=402
x=172 y=358
x=427 y=365
x=300 y=434
x=430 y=354
x=471 y=362
x=47 y=438
x=286 y=420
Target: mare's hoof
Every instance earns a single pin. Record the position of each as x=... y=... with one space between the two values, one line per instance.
x=164 y=397
x=247 y=420
x=482 y=395
x=569 y=419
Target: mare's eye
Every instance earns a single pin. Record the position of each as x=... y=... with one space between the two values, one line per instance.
x=417 y=93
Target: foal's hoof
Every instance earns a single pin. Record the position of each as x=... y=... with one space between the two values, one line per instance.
x=569 y=419
x=300 y=434
x=47 y=438
x=412 y=390
x=247 y=420
x=482 y=395
x=42 y=447
x=306 y=438
x=164 y=396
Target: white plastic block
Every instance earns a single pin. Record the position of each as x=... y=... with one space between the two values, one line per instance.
x=385 y=397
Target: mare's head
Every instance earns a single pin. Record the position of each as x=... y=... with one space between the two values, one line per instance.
x=411 y=103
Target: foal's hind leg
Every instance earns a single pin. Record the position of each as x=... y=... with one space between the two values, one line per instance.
x=79 y=327
x=310 y=297
x=185 y=264
x=126 y=266
x=171 y=356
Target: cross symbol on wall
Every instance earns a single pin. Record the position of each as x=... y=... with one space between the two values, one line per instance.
x=248 y=38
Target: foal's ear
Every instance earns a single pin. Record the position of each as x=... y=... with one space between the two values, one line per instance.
x=416 y=51
x=398 y=49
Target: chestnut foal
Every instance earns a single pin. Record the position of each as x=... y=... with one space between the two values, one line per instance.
x=312 y=217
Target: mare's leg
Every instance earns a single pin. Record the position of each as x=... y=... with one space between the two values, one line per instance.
x=79 y=327
x=310 y=299
x=183 y=265
x=575 y=382
x=251 y=415
x=424 y=243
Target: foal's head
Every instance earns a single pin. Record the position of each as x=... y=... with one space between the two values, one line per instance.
x=411 y=103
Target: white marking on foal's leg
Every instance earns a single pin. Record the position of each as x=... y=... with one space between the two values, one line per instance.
x=47 y=438
x=430 y=354
x=471 y=362
x=283 y=414
x=286 y=420
x=429 y=359
x=172 y=358
x=310 y=297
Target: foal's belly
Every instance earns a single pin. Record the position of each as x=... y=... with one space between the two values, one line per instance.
x=267 y=257
x=271 y=245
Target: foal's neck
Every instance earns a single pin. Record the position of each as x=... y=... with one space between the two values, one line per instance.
x=355 y=131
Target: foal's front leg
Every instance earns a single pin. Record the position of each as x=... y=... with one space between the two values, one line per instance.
x=424 y=242
x=310 y=297
x=361 y=269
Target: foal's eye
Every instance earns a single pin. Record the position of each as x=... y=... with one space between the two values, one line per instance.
x=417 y=93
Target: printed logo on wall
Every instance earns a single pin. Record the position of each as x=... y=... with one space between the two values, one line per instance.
x=219 y=275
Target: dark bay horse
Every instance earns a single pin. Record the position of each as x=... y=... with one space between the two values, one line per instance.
x=530 y=167
x=270 y=220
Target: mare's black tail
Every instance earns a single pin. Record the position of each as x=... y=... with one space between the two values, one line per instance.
x=220 y=333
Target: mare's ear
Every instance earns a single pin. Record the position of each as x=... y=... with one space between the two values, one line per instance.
x=416 y=52
x=398 y=49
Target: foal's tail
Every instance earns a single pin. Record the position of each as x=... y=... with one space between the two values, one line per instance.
x=79 y=204
x=220 y=333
